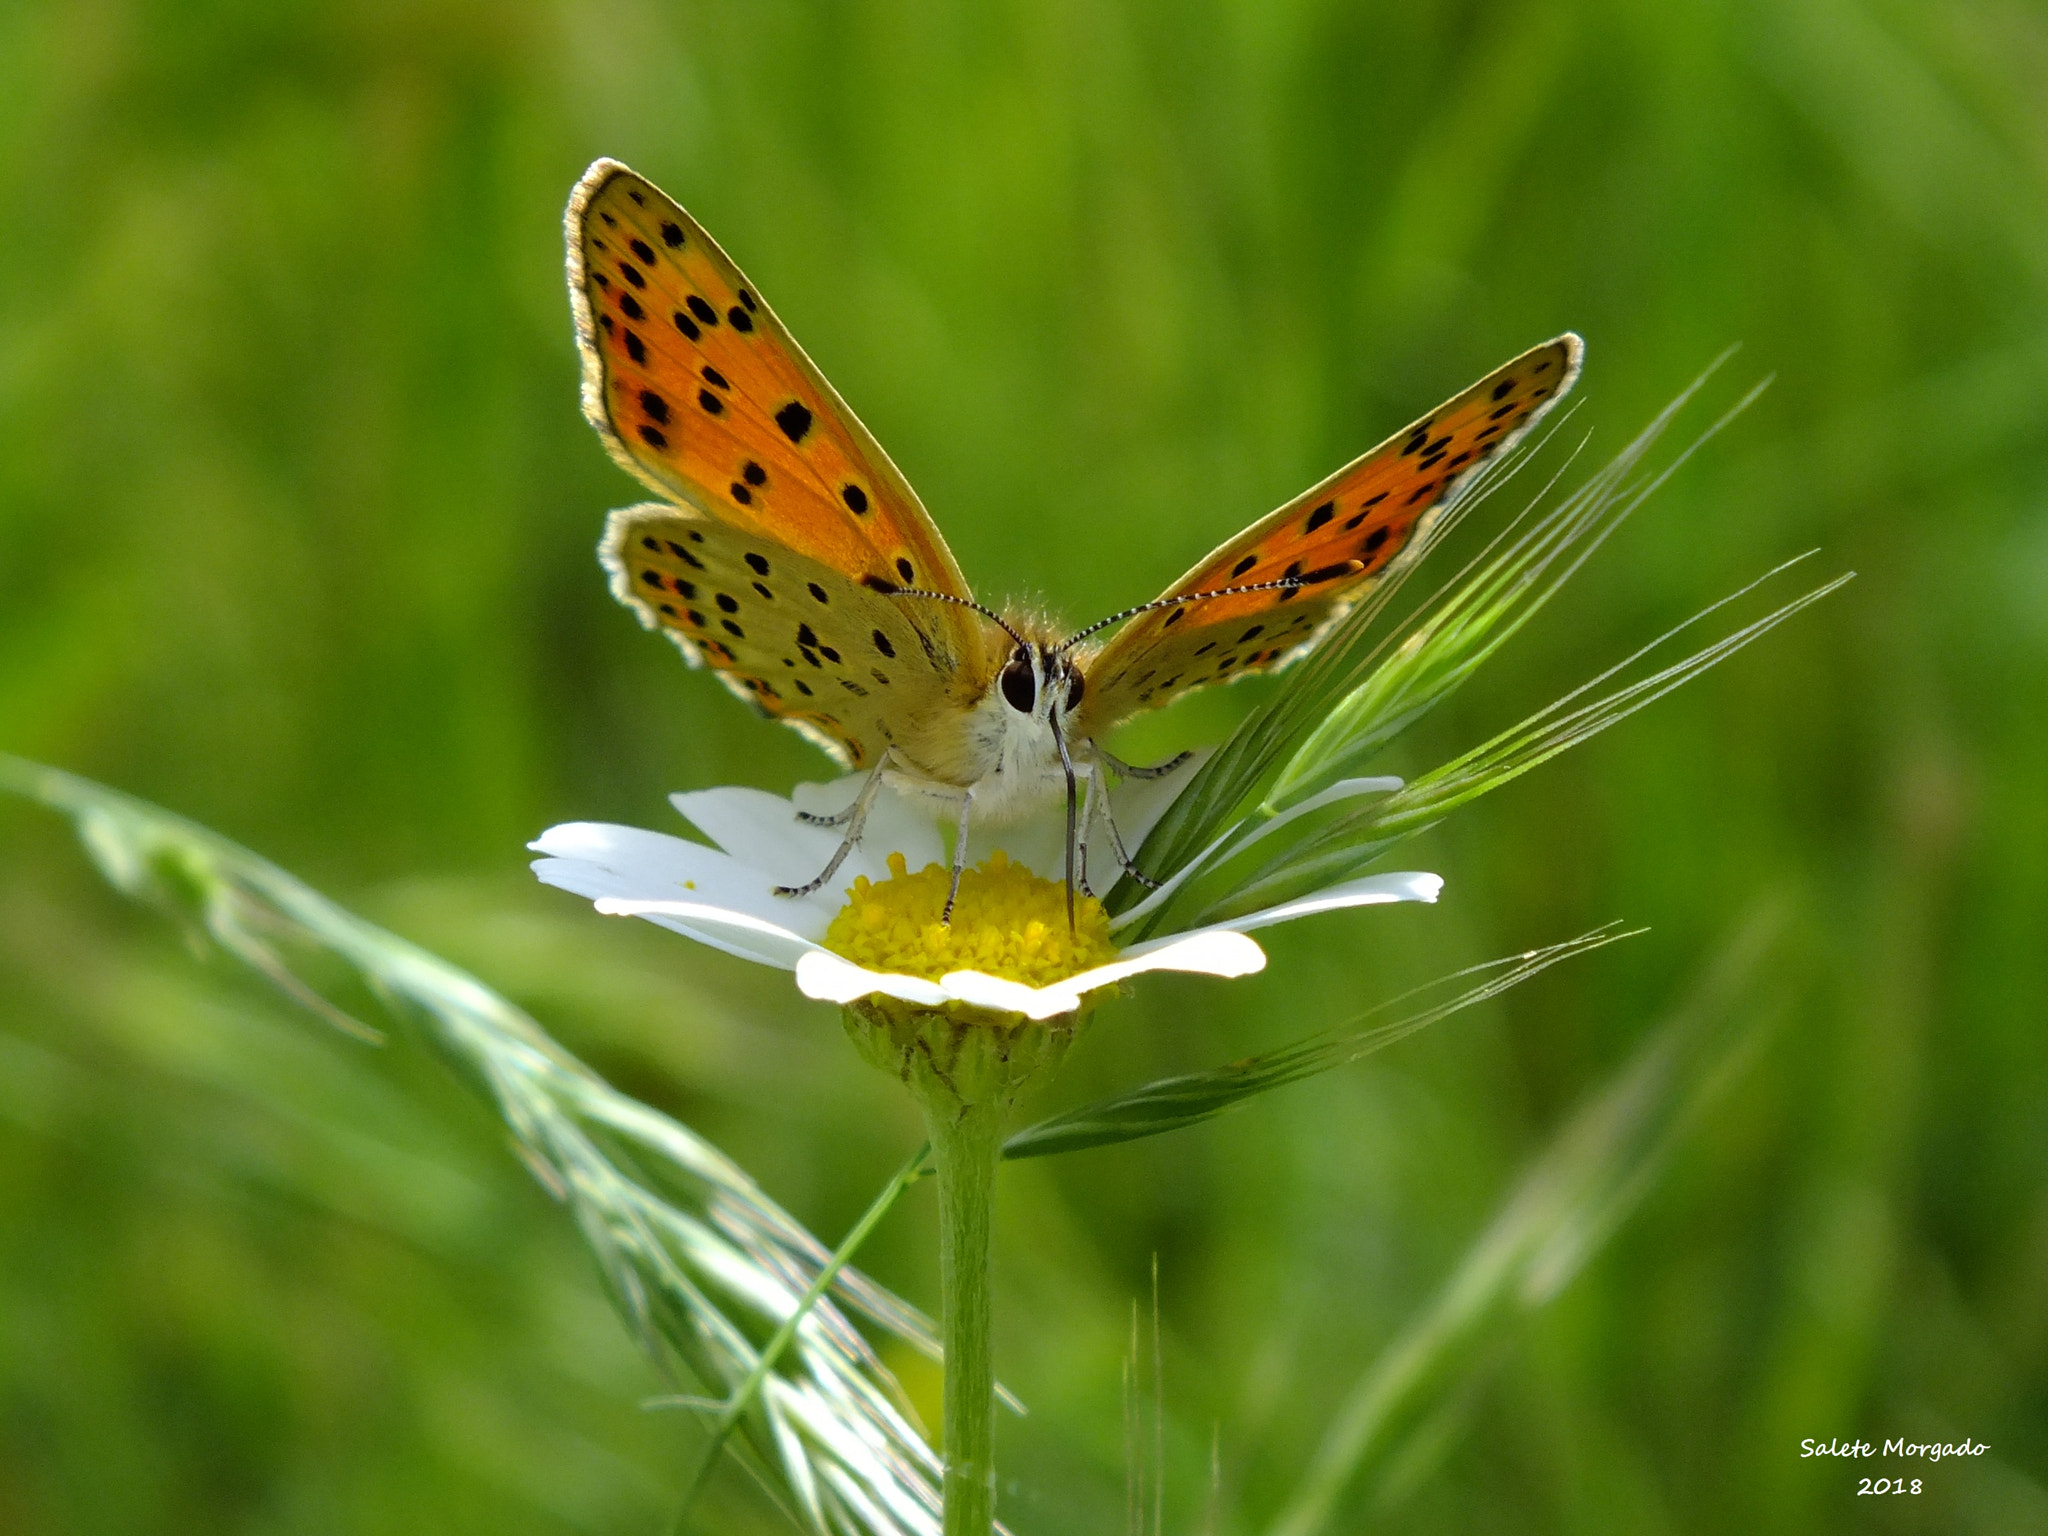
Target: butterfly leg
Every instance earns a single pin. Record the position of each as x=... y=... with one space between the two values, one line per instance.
x=1098 y=786
x=959 y=856
x=855 y=819
x=1124 y=770
x=836 y=819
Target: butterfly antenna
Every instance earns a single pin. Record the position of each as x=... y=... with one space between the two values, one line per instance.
x=890 y=589
x=1290 y=583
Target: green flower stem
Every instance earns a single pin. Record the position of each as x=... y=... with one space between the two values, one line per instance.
x=967 y=1143
x=965 y=1068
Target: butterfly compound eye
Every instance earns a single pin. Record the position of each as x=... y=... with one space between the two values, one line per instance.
x=1074 y=691
x=1020 y=684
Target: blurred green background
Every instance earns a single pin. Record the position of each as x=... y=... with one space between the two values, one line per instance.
x=297 y=516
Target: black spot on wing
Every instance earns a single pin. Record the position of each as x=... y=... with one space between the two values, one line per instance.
x=795 y=420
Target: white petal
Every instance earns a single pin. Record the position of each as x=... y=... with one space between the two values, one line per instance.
x=736 y=932
x=897 y=823
x=982 y=990
x=1343 y=789
x=761 y=830
x=653 y=866
x=1370 y=891
x=1212 y=952
x=1139 y=803
x=1162 y=893
x=1038 y=840
x=834 y=979
x=1215 y=951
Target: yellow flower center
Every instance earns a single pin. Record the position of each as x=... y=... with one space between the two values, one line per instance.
x=1008 y=923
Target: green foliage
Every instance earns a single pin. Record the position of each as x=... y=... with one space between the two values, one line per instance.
x=1602 y=1161
x=1175 y=1103
x=296 y=528
x=689 y=1247
x=1337 y=711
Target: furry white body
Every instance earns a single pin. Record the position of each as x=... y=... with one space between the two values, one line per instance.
x=1006 y=761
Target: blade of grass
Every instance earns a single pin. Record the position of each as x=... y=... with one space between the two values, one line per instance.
x=1173 y=1103
x=1342 y=702
x=1313 y=683
x=1477 y=613
x=826 y=1440
x=1594 y=1172
x=1319 y=854
x=742 y=1399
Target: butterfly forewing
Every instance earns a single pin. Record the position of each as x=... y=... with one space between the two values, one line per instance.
x=1342 y=538
x=698 y=390
x=790 y=634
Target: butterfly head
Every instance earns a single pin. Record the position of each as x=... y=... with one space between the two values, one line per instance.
x=1040 y=681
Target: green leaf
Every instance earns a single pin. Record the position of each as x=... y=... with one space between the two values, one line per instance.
x=1173 y=1103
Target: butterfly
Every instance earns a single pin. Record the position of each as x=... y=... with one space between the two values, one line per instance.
x=792 y=558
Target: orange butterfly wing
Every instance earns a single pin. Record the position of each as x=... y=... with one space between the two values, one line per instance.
x=1343 y=535
x=840 y=662
x=698 y=390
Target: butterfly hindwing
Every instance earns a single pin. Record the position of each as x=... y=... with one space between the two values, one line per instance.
x=698 y=389
x=788 y=633
x=1342 y=537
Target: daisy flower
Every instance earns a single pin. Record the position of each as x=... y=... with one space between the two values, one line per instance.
x=874 y=938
